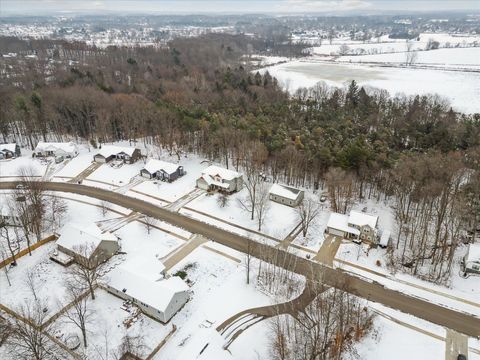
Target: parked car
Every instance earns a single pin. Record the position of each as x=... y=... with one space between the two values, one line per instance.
x=323 y=198
x=20 y=187
x=59 y=159
x=461 y=357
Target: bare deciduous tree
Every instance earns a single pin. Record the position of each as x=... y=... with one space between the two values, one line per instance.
x=77 y=311
x=28 y=338
x=410 y=54
x=149 y=223
x=307 y=211
x=89 y=268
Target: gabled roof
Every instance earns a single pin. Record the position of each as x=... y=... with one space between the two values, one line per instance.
x=108 y=150
x=146 y=286
x=75 y=236
x=285 y=191
x=362 y=219
x=223 y=173
x=154 y=165
x=340 y=222
x=68 y=147
x=9 y=147
x=473 y=253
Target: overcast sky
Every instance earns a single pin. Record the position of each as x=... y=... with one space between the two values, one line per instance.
x=57 y=7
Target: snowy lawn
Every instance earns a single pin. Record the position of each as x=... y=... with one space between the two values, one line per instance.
x=279 y=221
x=75 y=166
x=108 y=326
x=219 y=291
x=136 y=241
x=48 y=276
x=12 y=167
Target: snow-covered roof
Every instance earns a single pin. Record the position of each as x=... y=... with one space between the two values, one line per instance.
x=68 y=147
x=75 y=236
x=154 y=165
x=385 y=238
x=9 y=147
x=142 y=286
x=211 y=181
x=473 y=253
x=340 y=222
x=223 y=173
x=362 y=219
x=285 y=191
x=108 y=150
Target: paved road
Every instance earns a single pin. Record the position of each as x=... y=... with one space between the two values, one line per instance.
x=373 y=291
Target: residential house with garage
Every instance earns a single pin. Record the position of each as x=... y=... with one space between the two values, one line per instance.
x=215 y=178
x=141 y=282
x=356 y=226
x=286 y=195
x=86 y=244
x=126 y=154
x=471 y=260
x=67 y=149
x=9 y=151
x=162 y=170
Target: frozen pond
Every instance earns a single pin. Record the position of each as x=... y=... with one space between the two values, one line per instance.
x=462 y=89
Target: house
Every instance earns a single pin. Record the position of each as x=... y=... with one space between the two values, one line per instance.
x=471 y=261
x=8 y=151
x=286 y=195
x=127 y=154
x=357 y=226
x=142 y=283
x=67 y=149
x=224 y=180
x=161 y=170
x=86 y=244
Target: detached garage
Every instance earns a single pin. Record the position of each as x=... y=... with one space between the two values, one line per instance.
x=338 y=226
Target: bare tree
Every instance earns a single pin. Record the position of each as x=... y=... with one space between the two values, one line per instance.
x=222 y=200
x=133 y=345
x=103 y=208
x=410 y=54
x=343 y=50
x=3 y=258
x=55 y=211
x=5 y=234
x=77 y=309
x=149 y=223
x=89 y=268
x=340 y=186
x=262 y=203
x=307 y=211
x=29 y=335
x=31 y=282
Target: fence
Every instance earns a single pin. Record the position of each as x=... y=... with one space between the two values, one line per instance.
x=26 y=250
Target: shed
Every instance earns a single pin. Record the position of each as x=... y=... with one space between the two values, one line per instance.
x=286 y=195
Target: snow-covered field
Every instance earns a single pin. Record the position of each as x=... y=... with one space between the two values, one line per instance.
x=462 y=89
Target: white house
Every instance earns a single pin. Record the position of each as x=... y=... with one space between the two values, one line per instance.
x=357 y=225
x=471 y=261
x=142 y=283
x=67 y=149
x=162 y=170
x=127 y=154
x=220 y=179
x=87 y=244
x=8 y=151
x=286 y=195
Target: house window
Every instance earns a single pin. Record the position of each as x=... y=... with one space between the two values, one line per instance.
x=475 y=267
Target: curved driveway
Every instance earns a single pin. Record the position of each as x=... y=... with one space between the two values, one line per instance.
x=370 y=290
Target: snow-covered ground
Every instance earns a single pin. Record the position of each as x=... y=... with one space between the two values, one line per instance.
x=462 y=89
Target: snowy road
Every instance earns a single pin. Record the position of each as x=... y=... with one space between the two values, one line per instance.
x=365 y=288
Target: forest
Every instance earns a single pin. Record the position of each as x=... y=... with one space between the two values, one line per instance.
x=201 y=95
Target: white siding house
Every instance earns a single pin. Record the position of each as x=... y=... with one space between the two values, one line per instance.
x=286 y=195
x=357 y=226
x=68 y=149
x=215 y=178
x=471 y=261
x=155 y=296
x=85 y=243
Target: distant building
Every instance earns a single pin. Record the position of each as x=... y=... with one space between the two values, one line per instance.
x=286 y=195
x=141 y=282
x=356 y=226
x=161 y=170
x=67 y=149
x=87 y=244
x=215 y=178
x=471 y=261
x=8 y=151
x=127 y=154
